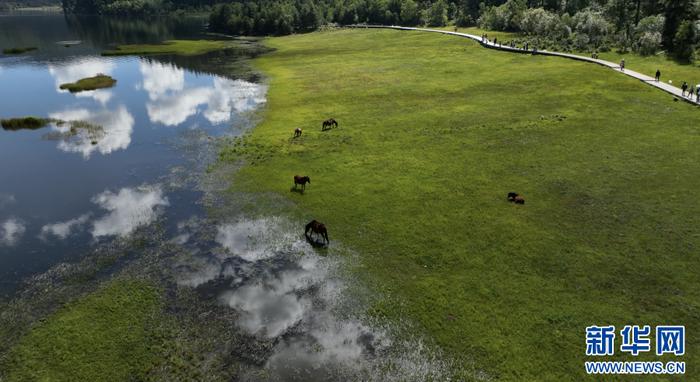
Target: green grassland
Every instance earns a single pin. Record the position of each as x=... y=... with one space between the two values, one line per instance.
x=99 y=81
x=671 y=69
x=179 y=47
x=434 y=131
x=107 y=336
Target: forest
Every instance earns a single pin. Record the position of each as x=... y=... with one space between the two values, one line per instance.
x=643 y=26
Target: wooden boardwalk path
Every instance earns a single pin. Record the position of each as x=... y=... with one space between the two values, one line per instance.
x=489 y=44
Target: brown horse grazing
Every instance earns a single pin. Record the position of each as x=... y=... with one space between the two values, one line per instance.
x=329 y=123
x=301 y=180
x=317 y=228
x=297 y=132
x=515 y=198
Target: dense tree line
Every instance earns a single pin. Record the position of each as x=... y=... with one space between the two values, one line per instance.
x=645 y=26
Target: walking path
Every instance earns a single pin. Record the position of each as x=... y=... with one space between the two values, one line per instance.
x=489 y=44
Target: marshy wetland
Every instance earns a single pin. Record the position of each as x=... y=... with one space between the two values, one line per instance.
x=163 y=204
x=115 y=214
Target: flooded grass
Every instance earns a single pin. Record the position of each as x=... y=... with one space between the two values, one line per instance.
x=19 y=50
x=77 y=130
x=24 y=123
x=100 y=81
x=177 y=47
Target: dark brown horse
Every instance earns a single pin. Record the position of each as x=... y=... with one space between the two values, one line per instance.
x=301 y=180
x=317 y=228
x=297 y=132
x=329 y=123
x=516 y=198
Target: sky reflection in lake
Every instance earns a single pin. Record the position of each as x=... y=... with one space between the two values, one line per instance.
x=65 y=189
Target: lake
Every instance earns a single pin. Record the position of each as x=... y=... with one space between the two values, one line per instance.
x=58 y=197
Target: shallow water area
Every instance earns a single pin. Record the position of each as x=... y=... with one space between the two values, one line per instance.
x=62 y=192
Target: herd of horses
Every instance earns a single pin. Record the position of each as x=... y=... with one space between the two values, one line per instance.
x=314 y=227
x=326 y=125
x=317 y=228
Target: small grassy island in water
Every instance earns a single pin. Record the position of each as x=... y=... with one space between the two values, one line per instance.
x=75 y=128
x=18 y=50
x=179 y=47
x=99 y=81
x=24 y=123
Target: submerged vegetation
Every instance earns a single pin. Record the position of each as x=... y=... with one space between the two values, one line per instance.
x=24 y=123
x=434 y=131
x=179 y=47
x=18 y=50
x=77 y=129
x=99 y=81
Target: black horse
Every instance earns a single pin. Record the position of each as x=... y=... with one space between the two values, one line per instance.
x=317 y=228
x=301 y=180
x=329 y=124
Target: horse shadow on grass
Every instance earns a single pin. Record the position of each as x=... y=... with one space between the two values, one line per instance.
x=298 y=190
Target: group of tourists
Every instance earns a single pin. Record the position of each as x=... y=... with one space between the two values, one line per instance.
x=510 y=44
x=690 y=91
x=686 y=90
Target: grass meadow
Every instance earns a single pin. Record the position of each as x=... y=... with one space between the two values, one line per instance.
x=671 y=69
x=434 y=132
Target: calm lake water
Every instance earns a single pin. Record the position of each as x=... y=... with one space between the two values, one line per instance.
x=59 y=197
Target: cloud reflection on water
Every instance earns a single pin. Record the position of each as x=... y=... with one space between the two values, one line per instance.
x=64 y=229
x=159 y=79
x=11 y=231
x=171 y=103
x=128 y=209
x=118 y=125
x=284 y=292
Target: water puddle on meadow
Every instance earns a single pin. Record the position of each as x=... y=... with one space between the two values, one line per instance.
x=294 y=303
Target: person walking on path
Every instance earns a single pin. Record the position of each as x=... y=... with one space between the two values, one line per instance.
x=658 y=75
x=684 y=87
x=622 y=65
x=691 y=91
x=697 y=93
